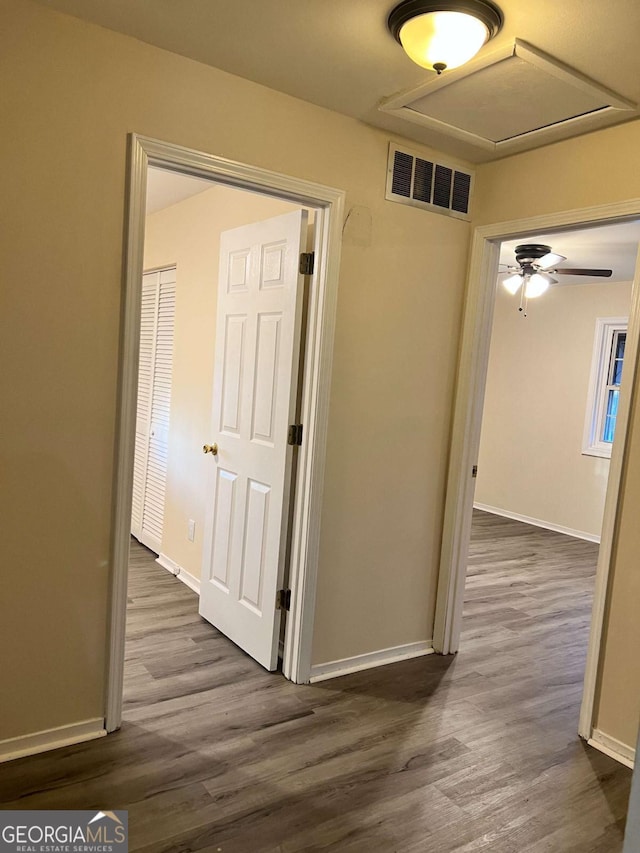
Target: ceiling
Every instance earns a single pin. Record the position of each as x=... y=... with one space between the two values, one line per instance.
x=612 y=247
x=166 y=188
x=339 y=54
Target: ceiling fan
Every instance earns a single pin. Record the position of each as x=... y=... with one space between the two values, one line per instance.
x=532 y=273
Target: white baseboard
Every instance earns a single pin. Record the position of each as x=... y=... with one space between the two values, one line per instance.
x=336 y=668
x=180 y=573
x=19 y=747
x=537 y=522
x=613 y=748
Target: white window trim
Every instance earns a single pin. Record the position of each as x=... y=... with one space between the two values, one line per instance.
x=606 y=327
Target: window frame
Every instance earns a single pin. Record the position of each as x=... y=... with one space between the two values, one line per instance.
x=607 y=328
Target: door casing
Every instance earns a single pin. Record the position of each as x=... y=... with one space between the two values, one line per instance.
x=467 y=419
x=329 y=206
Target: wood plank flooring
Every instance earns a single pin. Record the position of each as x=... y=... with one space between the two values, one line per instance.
x=476 y=752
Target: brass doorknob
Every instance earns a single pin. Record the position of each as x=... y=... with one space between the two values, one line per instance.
x=210 y=448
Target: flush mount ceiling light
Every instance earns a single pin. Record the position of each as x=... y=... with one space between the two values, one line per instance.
x=444 y=35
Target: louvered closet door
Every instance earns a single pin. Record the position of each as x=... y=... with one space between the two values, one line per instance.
x=154 y=406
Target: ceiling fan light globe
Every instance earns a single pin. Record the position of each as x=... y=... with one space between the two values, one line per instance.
x=441 y=38
x=513 y=283
x=537 y=284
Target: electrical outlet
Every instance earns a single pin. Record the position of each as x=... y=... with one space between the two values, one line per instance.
x=191 y=530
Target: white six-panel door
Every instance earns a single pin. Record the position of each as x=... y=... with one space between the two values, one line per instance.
x=154 y=406
x=254 y=394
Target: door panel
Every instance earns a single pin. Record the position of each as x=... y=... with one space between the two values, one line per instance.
x=222 y=527
x=266 y=379
x=232 y=370
x=254 y=394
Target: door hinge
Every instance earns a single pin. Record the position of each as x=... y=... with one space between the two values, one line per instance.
x=283 y=599
x=307 y=263
x=294 y=435
x=474 y=471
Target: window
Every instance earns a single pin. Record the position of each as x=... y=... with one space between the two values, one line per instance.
x=604 y=385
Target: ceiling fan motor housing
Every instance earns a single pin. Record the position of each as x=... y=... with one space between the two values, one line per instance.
x=528 y=253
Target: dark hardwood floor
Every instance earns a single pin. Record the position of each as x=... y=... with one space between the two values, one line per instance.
x=476 y=752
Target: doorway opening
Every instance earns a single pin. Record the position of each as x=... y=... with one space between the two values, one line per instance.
x=230 y=286
x=553 y=380
x=487 y=308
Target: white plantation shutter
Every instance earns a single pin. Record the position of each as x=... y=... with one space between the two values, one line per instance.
x=154 y=406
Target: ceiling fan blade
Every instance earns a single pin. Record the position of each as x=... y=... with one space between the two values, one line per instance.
x=572 y=271
x=551 y=259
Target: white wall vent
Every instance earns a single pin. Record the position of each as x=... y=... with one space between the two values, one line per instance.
x=439 y=187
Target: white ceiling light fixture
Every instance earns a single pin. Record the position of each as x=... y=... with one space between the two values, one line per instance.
x=444 y=35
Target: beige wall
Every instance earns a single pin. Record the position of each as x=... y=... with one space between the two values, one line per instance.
x=71 y=93
x=530 y=460
x=188 y=235
x=591 y=170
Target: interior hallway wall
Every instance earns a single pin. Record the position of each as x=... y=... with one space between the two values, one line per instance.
x=531 y=461
x=188 y=234
x=574 y=169
x=71 y=94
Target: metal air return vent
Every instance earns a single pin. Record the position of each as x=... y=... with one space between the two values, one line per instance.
x=439 y=187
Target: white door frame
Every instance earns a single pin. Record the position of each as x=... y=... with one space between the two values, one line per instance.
x=467 y=420
x=329 y=205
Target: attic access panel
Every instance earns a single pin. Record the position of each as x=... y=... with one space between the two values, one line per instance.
x=509 y=100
